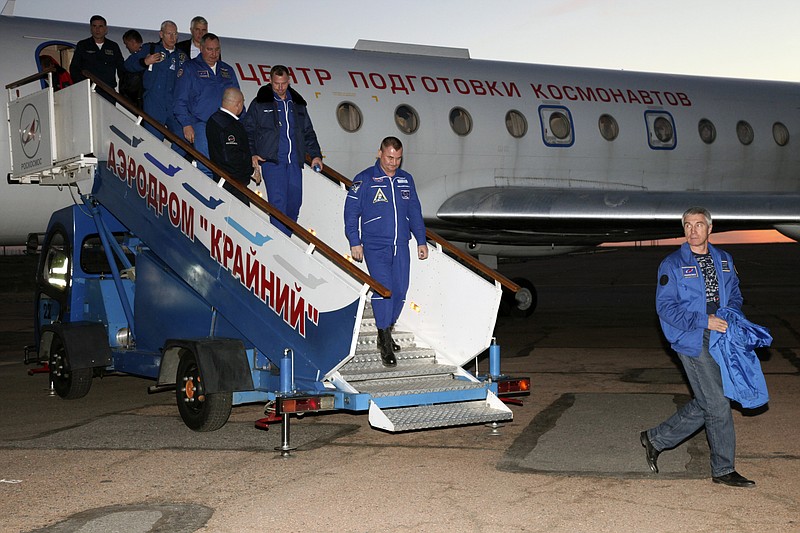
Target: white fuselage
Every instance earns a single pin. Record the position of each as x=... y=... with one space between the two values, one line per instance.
x=445 y=163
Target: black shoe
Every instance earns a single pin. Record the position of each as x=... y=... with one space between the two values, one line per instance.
x=650 y=452
x=734 y=479
x=385 y=347
x=394 y=345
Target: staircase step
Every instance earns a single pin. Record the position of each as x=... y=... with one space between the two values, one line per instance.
x=438 y=415
x=385 y=387
x=368 y=341
x=409 y=354
x=374 y=369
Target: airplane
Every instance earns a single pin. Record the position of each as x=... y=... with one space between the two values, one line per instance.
x=510 y=159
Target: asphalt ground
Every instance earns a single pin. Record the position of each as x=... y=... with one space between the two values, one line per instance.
x=121 y=460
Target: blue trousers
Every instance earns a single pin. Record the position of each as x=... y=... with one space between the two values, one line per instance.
x=284 y=184
x=201 y=145
x=389 y=265
x=172 y=124
x=709 y=408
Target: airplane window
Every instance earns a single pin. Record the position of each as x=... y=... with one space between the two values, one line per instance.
x=609 y=128
x=559 y=125
x=406 y=119
x=663 y=129
x=661 y=133
x=707 y=131
x=745 y=132
x=349 y=117
x=780 y=133
x=460 y=121
x=516 y=124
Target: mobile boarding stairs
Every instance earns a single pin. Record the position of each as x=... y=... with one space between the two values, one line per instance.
x=195 y=267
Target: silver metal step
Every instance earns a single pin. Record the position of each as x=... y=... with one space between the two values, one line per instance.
x=379 y=388
x=439 y=415
x=354 y=372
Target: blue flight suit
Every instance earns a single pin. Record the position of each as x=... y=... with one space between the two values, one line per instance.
x=159 y=85
x=387 y=211
x=198 y=95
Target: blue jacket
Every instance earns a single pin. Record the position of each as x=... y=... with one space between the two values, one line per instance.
x=159 y=78
x=681 y=296
x=264 y=130
x=198 y=91
x=742 y=378
x=388 y=208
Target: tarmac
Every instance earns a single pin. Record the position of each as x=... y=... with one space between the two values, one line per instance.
x=122 y=460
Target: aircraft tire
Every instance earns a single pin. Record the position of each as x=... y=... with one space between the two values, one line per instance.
x=199 y=411
x=525 y=300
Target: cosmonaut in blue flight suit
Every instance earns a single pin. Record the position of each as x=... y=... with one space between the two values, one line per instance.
x=198 y=93
x=160 y=63
x=694 y=282
x=383 y=204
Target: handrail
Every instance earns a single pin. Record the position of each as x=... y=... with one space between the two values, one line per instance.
x=255 y=199
x=438 y=239
x=32 y=77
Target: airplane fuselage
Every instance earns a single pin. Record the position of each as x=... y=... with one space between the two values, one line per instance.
x=588 y=155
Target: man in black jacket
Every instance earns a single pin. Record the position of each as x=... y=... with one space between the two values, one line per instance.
x=281 y=135
x=228 y=146
x=191 y=46
x=100 y=56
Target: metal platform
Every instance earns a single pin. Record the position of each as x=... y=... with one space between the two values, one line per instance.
x=438 y=415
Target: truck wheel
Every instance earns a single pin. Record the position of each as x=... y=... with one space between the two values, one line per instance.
x=68 y=383
x=199 y=411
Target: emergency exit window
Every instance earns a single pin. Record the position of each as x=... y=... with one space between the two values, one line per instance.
x=661 y=134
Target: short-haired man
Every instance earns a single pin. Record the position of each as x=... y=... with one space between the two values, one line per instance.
x=228 y=146
x=381 y=212
x=160 y=63
x=693 y=283
x=281 y=134
x=191 y=46
x=99 y=55
x=198 y=93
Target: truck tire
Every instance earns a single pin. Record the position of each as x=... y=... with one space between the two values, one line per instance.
x=199 y=411
x=68 y=383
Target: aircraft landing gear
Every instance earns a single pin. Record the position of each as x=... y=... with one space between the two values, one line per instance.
x=521 y=304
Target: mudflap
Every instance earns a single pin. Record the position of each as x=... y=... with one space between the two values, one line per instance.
x=223 y=363
x=86 y=343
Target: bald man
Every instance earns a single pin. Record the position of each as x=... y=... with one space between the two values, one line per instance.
x=228 y=145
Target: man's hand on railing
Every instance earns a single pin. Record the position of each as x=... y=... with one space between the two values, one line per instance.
x=357 y=253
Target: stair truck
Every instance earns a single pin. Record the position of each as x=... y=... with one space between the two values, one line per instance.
x=157 y=271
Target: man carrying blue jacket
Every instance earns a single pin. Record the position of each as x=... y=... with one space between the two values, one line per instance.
x=198 y=93
x=383 y=204
x=281 y=134
x=693 y=283
x=160 y=63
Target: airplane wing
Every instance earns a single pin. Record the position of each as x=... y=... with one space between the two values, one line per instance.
x=592 y=216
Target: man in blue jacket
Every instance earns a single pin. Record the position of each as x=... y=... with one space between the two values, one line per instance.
x=383 y=205
x=198 y=93
x=281 y=134
x=693 y=283
x=160 y=63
